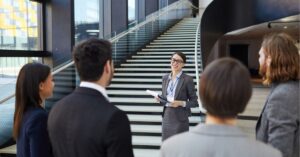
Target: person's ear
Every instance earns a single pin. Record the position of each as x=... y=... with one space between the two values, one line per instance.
x=107 y=66
x=41 y=86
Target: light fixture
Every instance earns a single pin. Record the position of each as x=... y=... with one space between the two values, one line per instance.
x=281 y=22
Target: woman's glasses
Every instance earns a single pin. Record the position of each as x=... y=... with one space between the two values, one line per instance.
x=177 y=61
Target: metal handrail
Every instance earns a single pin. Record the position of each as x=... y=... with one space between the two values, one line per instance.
x=196 y=66
x=149 y=19
x=116 y=38
x=7 y=98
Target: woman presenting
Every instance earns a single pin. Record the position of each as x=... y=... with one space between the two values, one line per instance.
x=179 y=89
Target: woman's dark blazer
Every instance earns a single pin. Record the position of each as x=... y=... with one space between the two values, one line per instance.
x=33 y=139
x=185 y=91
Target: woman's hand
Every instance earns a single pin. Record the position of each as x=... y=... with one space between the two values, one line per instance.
x=157 y=99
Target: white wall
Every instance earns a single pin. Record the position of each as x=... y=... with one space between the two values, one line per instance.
x=202 y=5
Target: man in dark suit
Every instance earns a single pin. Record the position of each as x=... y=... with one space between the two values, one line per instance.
x=85 y=123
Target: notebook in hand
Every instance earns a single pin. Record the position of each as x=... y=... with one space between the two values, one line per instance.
x=162 y=99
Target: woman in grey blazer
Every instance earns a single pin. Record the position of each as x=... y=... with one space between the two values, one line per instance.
x=225 y=90
x=278 y=123
x=179 y=89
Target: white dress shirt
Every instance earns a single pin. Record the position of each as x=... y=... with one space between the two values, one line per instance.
x=94 y=86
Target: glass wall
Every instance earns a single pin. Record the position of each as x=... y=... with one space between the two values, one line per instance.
x=19 y=25
x=10 y=66
x=87 y=21
x=131 y=13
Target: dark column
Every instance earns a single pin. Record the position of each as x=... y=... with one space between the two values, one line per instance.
x=151 y=6
x=59 y=30
x=141 y=6
x=171 y=1
x=119 y=21
x=106 y=18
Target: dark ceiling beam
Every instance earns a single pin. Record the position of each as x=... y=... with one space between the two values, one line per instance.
x=223 y=16
x=24 y=53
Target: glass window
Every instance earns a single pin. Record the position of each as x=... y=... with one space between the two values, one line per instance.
x=19 y=25
x=86 y=19
x=131 y=13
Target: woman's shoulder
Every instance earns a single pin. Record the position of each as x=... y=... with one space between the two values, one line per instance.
x=186 y=76
x=34 y=114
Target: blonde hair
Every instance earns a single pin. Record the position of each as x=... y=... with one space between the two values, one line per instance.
x=285 y=59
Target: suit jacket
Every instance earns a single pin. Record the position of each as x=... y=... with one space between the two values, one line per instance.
x=278 y=123
x=33 y=139
x=184 y=91
x=215 y=141
x=85 y=124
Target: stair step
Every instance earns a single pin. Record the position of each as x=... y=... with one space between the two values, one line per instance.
x=171 y=40
x=144 y=80
x=172 y=43
x=143 y=86
x=156 y=118
x=156 y=65
x=150 y=69
x=168 y=46
x=9 y=150
x=148 y=108
x=146 y=74
x=190 y=56
x=139 y=152
x=129 y=92
x=154 y=61
x=193 y=32
x=171 y=31
x=136 y=80
x=146 y=128
x=181 y=38
x=170 y=49
x=187 y=34
x=182 y=29
x=133 y=100
x=179 y=35
x=163 y=53
x=146 y=140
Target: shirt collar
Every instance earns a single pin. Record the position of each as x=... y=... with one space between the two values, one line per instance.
x=94 y=86
x=217 y=130
x=177 y=76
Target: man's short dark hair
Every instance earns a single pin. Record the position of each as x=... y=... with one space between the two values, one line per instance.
x=90 y=57
x=225 y=88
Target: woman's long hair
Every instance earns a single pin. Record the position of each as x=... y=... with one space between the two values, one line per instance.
x=27 y=91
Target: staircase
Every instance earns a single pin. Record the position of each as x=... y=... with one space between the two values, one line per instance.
x=144 y=71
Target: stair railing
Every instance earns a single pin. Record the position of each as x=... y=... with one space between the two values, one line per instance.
x=197 y=42
x=149 y=18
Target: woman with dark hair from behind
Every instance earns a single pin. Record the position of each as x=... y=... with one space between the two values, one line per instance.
x=34 y=85
x=225 y=90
